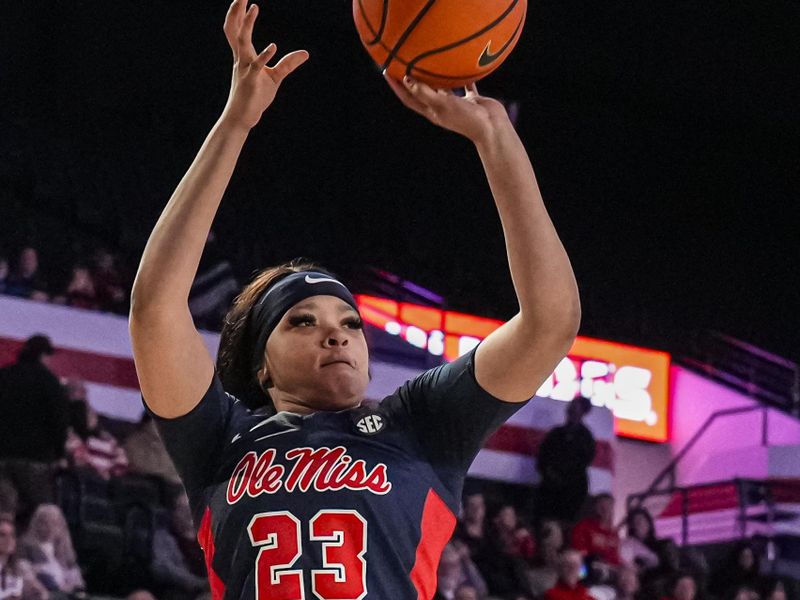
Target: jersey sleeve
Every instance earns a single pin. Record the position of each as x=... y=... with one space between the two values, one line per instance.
x=451 y=416
x=195 y=440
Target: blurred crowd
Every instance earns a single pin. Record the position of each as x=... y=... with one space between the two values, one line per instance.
x=88 y=505
x=100 y=282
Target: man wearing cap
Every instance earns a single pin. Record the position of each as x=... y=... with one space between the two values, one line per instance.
x=33 y=423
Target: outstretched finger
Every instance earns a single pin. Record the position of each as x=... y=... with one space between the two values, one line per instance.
x=233 y=24
x=266 y=55
x=289 y=63
x=404 y=95
x=472 y=89
x=245 y=38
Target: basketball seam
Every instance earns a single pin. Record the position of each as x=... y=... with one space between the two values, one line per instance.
x=405 y=35
x=384 y=18
x=412 y=63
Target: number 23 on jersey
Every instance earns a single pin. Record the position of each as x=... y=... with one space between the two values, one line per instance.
x=277 y=535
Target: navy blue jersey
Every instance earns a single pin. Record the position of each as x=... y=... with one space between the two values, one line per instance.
x=332 y=505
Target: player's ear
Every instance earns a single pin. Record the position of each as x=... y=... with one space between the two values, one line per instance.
x=264 y=379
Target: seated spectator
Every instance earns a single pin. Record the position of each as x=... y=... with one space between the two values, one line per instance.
x=740 y=568
x=467 y=592
x=25 y=281
x=80 y=291
x=91 y=446
x=108 y=283
x=628 y=583
x=639 y=547
x=774 y=589
x=656 y=582
x=683 y=587
x=501 y=557
x=48 y=546
x=568 y=586
x=146 y=452
x=471 y=526
x=742 y=592
x=597 y=540
x=178 y=567
x=17 y=579
x=549 y=543
x=34 y=424
x=512 y=537
x=456 y=569
x=140 y=595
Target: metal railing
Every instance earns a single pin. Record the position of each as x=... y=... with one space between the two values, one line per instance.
x=668 y=473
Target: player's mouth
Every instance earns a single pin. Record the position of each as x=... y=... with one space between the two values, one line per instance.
x=336 y=362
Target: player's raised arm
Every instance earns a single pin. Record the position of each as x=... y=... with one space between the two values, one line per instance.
x=172 y=363
x=514 y=360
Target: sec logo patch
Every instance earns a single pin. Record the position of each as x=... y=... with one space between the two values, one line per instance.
x=371 y=424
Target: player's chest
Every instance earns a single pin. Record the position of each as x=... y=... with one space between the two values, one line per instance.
x=333 y=454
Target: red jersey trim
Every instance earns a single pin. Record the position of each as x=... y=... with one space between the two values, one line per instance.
x=206 y=539
x=438 y=524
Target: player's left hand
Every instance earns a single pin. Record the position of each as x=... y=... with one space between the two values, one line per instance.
x=474 y=116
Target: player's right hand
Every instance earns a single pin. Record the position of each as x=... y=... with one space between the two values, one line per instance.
x=253 y=85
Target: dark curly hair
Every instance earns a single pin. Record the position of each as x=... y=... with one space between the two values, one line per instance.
x=234 y=359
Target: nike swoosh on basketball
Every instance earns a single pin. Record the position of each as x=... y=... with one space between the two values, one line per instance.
x=310 y=279
x=488 y=58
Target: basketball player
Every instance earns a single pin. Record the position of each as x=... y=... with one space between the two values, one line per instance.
x=297 y=489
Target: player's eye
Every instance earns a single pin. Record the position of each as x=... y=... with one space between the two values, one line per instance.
x=305 y=320
x=354 y=323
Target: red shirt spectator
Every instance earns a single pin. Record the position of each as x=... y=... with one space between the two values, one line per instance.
x=568 y=586
x=595 y=536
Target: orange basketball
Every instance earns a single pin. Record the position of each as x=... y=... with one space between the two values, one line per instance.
x=445 y=43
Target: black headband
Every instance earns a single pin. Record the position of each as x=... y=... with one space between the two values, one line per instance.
x=282 y=296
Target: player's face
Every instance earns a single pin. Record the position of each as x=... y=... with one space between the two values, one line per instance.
x=317 y=356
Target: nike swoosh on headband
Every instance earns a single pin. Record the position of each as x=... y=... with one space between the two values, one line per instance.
x=310 y=279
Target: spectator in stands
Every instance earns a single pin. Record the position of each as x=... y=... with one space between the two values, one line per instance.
x=33 y=423
x=140 y=595
x=25 y=281
x=80 y=291
x=639 y=547
x=467 y=592
x=742 y=592
x=17 y=579
x=501 y=558
x=213 y=288
x=596 y=538
x=179 y=575
x=684 y=587
x=90 y=446
x=628 y=583
x=740 y=568
x=657 y=581
x=471 y=527
x=3 y=275
x=775 y=589
x=48 y=546
x=549 y=543
x=456 y=569
x=108 y=283
x=564 y=457
x=569 y=585
x=511 y=536
x=146 y=452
